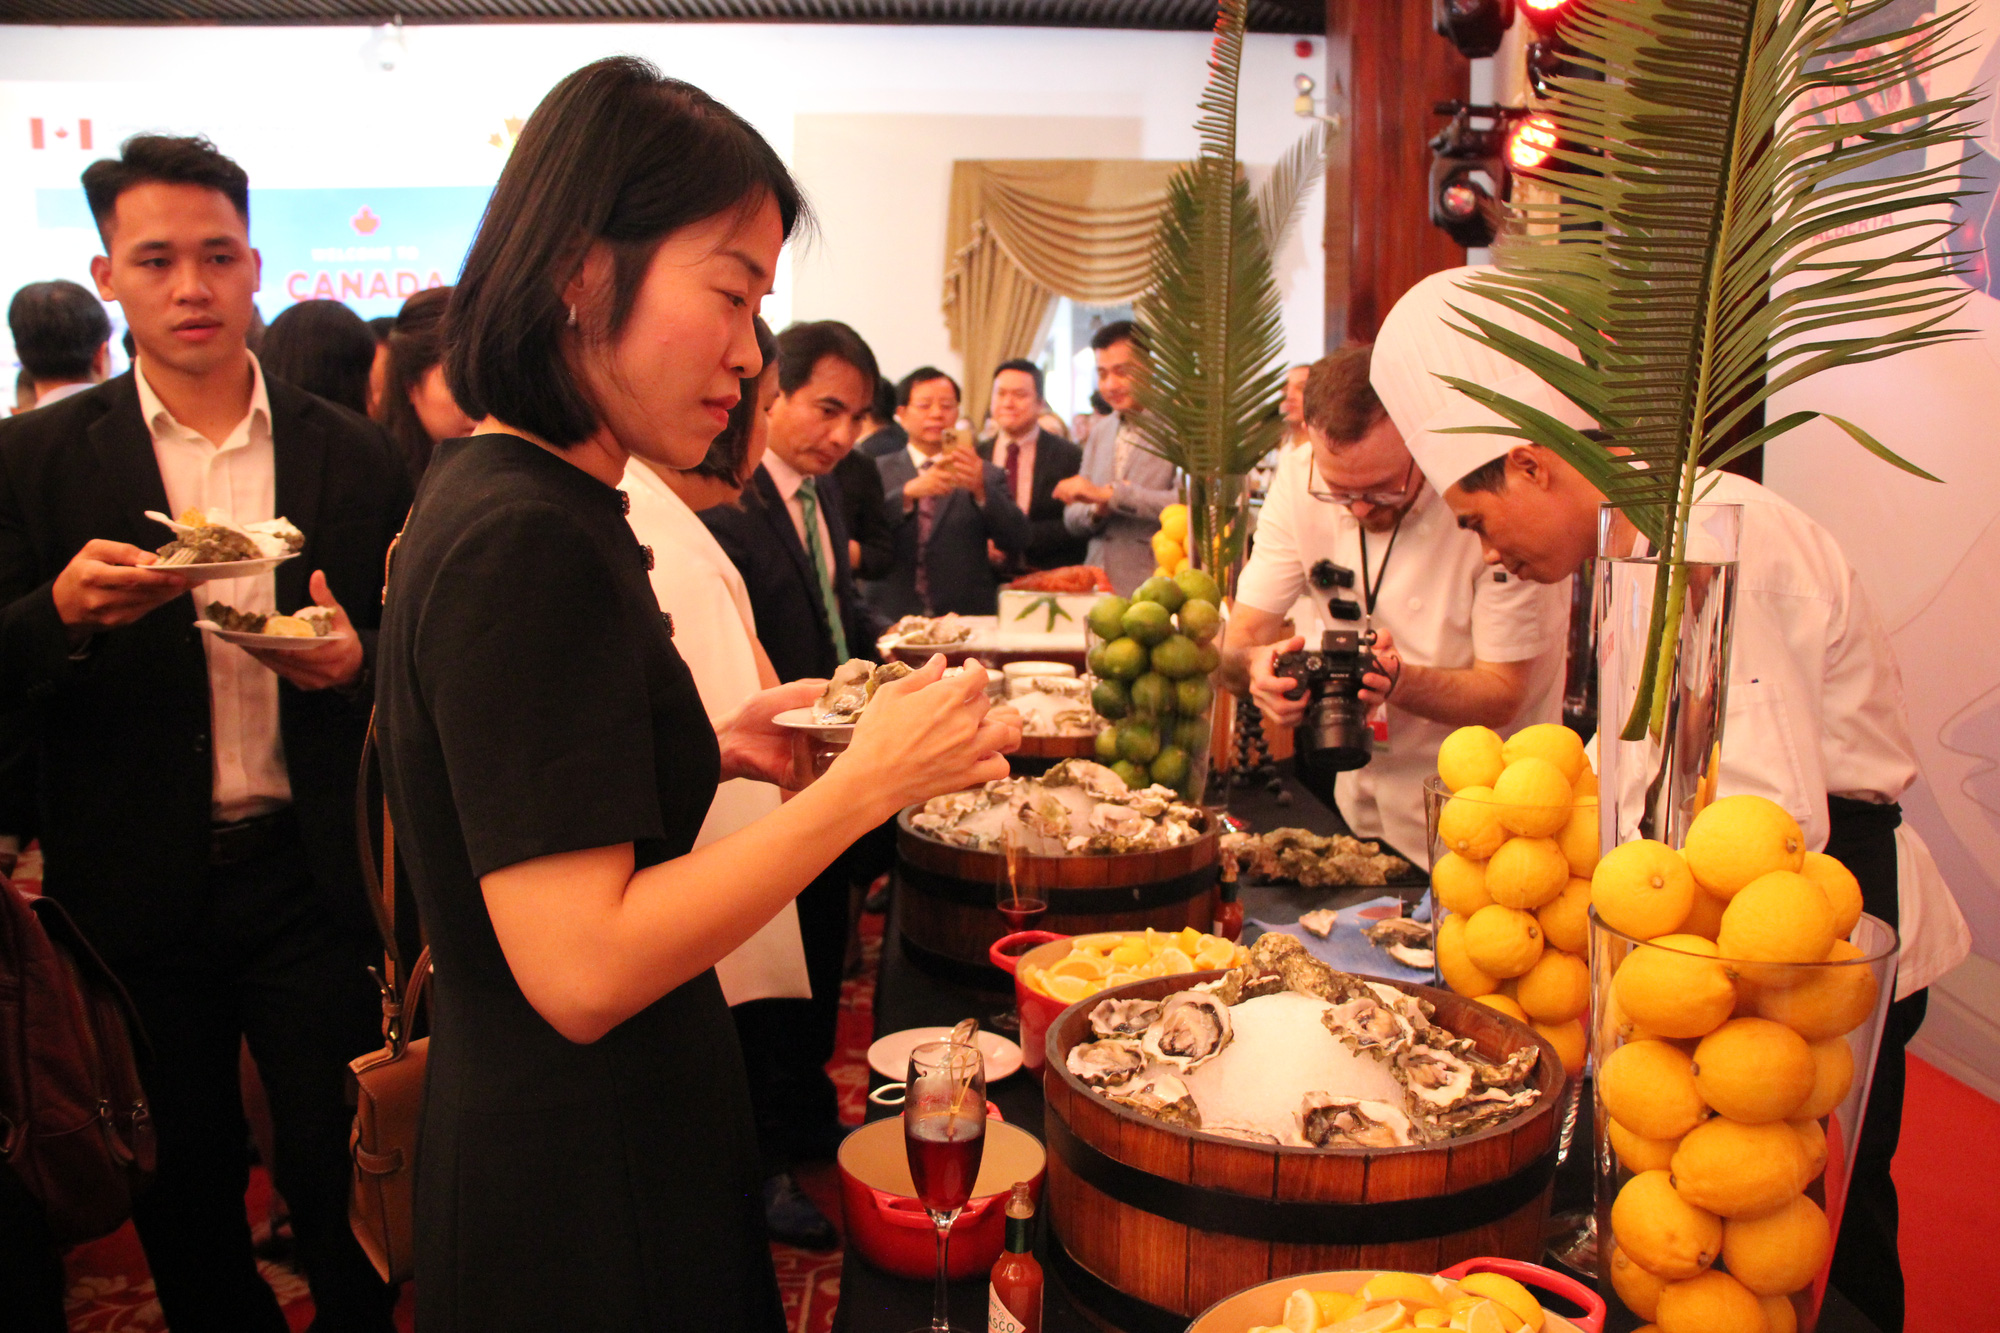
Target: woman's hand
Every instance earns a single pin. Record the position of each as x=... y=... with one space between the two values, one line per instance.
x=753 y=746
x=925 y=735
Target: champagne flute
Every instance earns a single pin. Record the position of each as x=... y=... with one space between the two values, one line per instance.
x=944 y=1132
x=1016 y=904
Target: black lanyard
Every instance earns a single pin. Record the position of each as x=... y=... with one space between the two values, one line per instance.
x=1371 y=592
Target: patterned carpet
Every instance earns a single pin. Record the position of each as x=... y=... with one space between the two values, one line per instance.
x=110 y=1290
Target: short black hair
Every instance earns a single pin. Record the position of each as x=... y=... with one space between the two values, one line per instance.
x=1119 y=331
x=384 y=325
x=166 y=159
x=324 y=348
x=725 y=457
x=884 y=408
x=923 y=375
x=58 y=327
x=1490 y=477
x=1098 y=405
x=416 y=343
x=1026 y=367
x=802 y=346
x=615 y=154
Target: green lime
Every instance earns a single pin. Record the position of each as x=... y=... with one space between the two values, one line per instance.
x=1193 y=696
x=1110 y=699
x=1171 y=766
x=1106 y=619
x=1152 y=695
x=1199 y=619
x=1148 y=622
x=1199 y=585
x=1138 y=742
x=1094 y=660
x=1191 y=734
x=1176 y=657
x=1107 y=746
x=1134 y=776
x=1211 y=658
x=1124 y=659
x=1163 y=590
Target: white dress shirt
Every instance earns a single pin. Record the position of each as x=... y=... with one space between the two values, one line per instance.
x=62 y=391
x=715 y=632
x=240 y=478
x=1441 y=603
x=788 y=479
x=1024 y=476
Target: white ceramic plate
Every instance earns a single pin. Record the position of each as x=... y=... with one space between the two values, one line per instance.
x=801 y=719
x=282 y=642
x=225 y=569
x=890 y=1055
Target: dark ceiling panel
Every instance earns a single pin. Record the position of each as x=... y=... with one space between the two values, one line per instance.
x=1283 y=16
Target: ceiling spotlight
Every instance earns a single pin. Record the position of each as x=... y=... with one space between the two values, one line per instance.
x=1304 y=85
x=1531 y=143
x=1475 y=27
x=1469 y=176
x=385 y=51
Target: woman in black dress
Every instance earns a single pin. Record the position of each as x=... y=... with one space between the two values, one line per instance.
x=588 y=1160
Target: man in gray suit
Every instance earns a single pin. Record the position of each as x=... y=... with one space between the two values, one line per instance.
x=945 y=505
x=1116 y=500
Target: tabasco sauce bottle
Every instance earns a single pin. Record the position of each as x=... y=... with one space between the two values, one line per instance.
x=1014 y=1301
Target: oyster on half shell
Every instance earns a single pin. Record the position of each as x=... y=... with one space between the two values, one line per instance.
x=1191 y=1030
x=1100 y=1063
x=1159 y=1095
x=1327 y=1121
x=1367 y=1026
x=1123 y=1018
x=1437 y=1080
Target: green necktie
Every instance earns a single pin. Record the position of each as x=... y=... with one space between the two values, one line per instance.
x=822 y=566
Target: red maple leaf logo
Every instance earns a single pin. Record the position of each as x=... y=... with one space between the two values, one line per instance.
x=365 y=222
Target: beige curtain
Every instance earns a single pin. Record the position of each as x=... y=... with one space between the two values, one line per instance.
x=1020 y=234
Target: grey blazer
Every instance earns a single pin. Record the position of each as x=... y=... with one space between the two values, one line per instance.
x=1121 y=542
x=960 y=576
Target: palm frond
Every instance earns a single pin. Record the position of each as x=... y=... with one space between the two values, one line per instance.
x=1283 y=194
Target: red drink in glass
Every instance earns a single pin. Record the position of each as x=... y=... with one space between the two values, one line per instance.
x=944 y=1157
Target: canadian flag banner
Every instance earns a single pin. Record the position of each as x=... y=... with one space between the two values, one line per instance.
x=58 y=133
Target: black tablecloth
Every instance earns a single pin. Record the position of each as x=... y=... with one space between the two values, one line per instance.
x=872 y=1301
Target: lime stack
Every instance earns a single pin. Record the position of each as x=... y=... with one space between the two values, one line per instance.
x=1516 y=845
x=1152 y=656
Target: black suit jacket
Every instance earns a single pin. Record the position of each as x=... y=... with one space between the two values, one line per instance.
x=761 y=542
x=960 y=577
x=122 y=771
x=1051 y=545
x=861 y=508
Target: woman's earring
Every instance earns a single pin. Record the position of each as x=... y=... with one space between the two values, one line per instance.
x=572 y=316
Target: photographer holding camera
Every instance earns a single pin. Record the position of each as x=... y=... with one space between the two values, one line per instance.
x=1353 y=526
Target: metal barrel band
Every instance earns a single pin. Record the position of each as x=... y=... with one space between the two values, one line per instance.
x=1296 y=1222
x=1121 y=1309
x=1062 y=901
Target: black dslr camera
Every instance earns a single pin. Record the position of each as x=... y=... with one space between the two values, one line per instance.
x=1335 y=736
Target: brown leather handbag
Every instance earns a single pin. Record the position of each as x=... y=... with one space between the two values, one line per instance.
x=389 y=1083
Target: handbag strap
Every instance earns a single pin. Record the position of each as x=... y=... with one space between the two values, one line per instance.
x=400 y=994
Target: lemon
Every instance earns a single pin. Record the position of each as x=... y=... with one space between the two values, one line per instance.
x=1455 y=965
x=1503 y=941
x=1470 y=757
x=1675 y=986
x=1068 y=989
x=1505 y=1004
x=1556 y=989
x=1586 y=782
x=1754 y=1070
x=1410 y=1288
x=1509 y=1293
x=1578 y=837
x=1833 y=1075
x=1662 y=1231
x=1174 y=961
x=1431 y=1319
x=1641 y=1154
x=1131 y=953
x=1782 y=917
x=1639 y=1289
x=1780 y=1316
x=1301 y=1312
x=1739 y=839
x=1534 y=798
x=1214 y=952
x=1713 y=1302
x=1335 y=1306
x=1527 y=873
x=1566 y=918
x=1470 y=824
x=1642 y=889
x=1460 y=885
x=1842 y=890
x=1779 y=1251
x=1551 y=742
x=1648 y=1086
x=1829 y=1001
x=1488 y=1316
x=1735 y=1170
x=1572 y=1046
x=1166 y=551
x=1812 y=1138
x=1704 y=916
x=1620 y=1023
x=1174 y=521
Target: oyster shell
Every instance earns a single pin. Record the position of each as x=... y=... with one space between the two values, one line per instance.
x=1421 y=960
x=1099 y=1063
x=1321 y=922
x=1191 y=1030
x=1487 y=1107
x=1095 y=779
x=1235 y=1129
x=1159 y=1095
x=1243 y=983
x=1436 y=1080
x=854 y=683
x=1399 y=930
x=1367 y=1026
x=1302 y=972
x=1123 y=1018
x=1327 y=1121
x=1045 y=815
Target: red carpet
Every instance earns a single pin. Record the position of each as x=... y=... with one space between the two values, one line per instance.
x=1948 y=1192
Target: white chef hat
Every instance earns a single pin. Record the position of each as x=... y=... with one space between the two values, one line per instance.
x=1418 y=342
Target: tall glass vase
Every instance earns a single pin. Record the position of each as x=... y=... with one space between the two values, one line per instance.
x=1218 y=543
x=1653 y=786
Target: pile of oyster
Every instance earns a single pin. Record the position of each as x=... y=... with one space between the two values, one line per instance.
x=208 y=537
x=1076 y=808
x=1300 y=856
x=926 y=632
x=854 y=683
x=1056 y=706
x=1287 y=1051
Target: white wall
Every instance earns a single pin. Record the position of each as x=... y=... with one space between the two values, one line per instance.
x=298 y=107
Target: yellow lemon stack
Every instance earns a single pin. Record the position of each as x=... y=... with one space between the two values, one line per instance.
x=1170 y=543
x=1728 y=1057
x=1513 y=887
x=1098 y=962
x=1478 y=1302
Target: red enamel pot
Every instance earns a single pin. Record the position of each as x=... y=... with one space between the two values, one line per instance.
x=889 y=1228
x=1038 y=1011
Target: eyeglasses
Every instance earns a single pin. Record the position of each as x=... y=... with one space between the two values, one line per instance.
x=1317 y=489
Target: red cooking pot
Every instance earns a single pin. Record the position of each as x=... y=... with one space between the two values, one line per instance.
x=889 y=1228
x=1037 y=1010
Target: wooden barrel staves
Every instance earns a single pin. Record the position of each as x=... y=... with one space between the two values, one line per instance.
x=1150 y=1223
x=947 y=897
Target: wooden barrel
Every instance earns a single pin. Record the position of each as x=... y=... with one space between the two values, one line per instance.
x=947 y=896
x=1151 y=1223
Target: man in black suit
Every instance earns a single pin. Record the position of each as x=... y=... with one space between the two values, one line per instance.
x=789 y=540
x=1034 y=460
x=195 y=799
x=951 y=511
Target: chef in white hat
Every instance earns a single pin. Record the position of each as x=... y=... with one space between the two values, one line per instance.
x=1815 y=718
